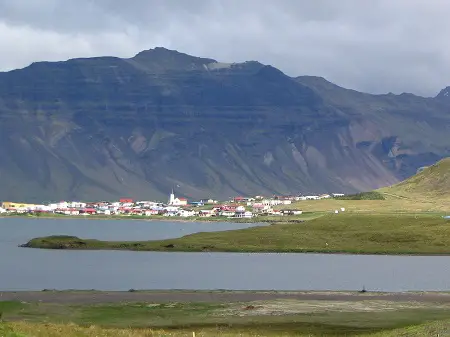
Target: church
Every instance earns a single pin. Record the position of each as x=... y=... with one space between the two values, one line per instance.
x=176 y=201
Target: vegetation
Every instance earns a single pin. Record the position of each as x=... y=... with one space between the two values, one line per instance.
x=373 y=195
x=432 y=184
x=334 y=233
x=273 y=318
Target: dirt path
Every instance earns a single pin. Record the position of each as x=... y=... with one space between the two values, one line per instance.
x=93 y=297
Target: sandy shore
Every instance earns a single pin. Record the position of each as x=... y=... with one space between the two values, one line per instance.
x=97 y=297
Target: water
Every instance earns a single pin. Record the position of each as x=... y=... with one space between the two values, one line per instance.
x=33 y=269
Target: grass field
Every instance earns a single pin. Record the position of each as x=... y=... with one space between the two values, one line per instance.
x=391 y=204
x=272 y=318
x=336 y=233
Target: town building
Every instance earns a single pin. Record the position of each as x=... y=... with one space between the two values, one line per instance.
x=176 y=201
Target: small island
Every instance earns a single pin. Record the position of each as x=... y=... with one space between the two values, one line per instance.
x=351 y=233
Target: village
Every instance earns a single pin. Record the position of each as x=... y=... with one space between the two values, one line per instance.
x=237 y=207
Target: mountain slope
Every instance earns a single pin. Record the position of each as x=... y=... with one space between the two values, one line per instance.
x=430 y=183
x=106 y=127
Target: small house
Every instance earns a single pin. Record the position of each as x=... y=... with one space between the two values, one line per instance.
x=185 y=213
x=151 y=212
x=291 y=212
x=244 y=214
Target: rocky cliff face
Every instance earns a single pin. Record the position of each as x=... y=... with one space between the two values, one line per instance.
x=104 y=128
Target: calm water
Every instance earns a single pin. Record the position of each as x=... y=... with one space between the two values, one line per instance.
x=32 y=269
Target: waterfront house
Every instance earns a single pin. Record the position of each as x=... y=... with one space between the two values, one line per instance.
x=245 y=214
x=227 y=213
x=151 y=212
x=207 y=213
x=241 y=212
x=17 y=206
x=186 y=213
x=260 y=208
x=88 y=211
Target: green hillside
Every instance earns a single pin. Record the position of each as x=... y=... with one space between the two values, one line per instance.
x=433 y=183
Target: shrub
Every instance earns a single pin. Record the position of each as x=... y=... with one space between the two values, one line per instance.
x=363 y=196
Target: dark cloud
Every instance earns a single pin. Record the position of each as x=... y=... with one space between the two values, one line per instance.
x=377 y=46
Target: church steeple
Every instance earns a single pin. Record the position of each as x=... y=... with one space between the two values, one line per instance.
x=171 y=197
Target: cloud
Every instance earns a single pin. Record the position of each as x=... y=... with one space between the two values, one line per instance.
x=377 y=46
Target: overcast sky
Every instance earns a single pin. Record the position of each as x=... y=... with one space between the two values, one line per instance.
x=376 y=46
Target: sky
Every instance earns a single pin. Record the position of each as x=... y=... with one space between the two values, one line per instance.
x=376 y=46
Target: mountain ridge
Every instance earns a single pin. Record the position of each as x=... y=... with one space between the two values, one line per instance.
x=205 y=61
x=106 y=127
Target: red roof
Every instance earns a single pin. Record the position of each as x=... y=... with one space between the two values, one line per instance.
x=258 y=206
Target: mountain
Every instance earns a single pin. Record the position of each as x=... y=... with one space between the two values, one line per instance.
x=431 y=183
x=106 y=127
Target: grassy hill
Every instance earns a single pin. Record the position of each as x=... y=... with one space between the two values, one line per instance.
x=433 y=183
x=427 y=191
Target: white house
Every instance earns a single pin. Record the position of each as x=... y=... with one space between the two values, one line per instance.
x=312 y=197
x=227 y=213
x=186 y=213
x=76 y=204
x=245 y=214
x=291 y=212
x=59 y=205
x=240 y=209
x=41 y=208
x=261 y=208
x=150 y=212
x=2 y=210
x=242 y=213
x=171 y=210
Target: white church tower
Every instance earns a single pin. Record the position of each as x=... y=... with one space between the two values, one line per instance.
x=171 y=198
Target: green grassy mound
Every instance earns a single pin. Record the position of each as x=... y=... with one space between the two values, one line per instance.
x=333 y=233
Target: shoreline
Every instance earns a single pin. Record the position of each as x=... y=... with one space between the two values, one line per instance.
x=346 y=234
x=149 y=219
x=300 y=252
x=167 y=246
x=216 y=296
